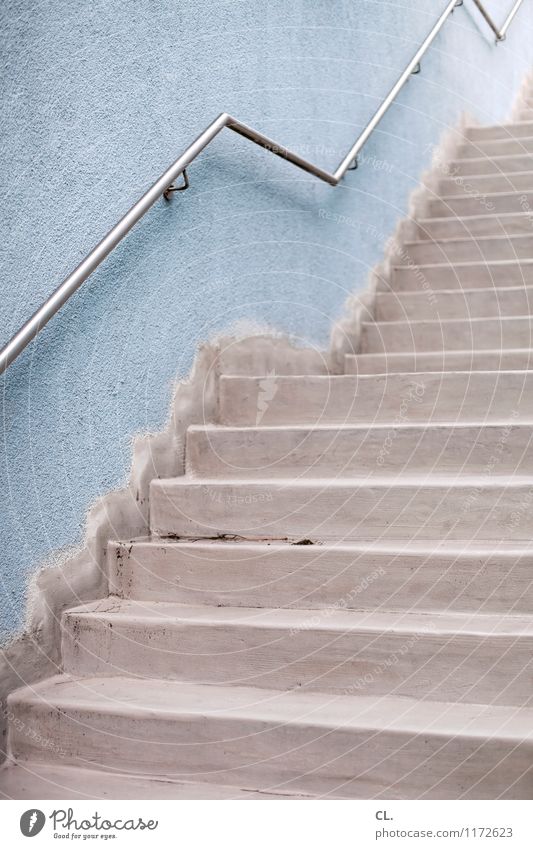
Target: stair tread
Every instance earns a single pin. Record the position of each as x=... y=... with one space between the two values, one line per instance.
x=352 y=378
x=500 y=263
x=149 y=698
x=503 y=237
x=459 y=320
x=441 y=354
x=486 y=195
x=470 y=548
x=115 y=610
x=465 y=218
x=432 y=479
x=503 y=156
x=476 y=127
x=47 y=781
x=359 y=426
x=479 y=291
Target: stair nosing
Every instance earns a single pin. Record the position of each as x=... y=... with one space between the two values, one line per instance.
x=411 y=293
x=458 y=714
x=415 y=322
x=501 y=237
x=467 y=264
x=468 y=159
x=474 y=549
x=432 y=480
x=440 y=218
x=449 y=352
x=360 y=426
x=438 y=197
x=345 y=621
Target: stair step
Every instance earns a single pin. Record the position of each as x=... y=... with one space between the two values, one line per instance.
x=477 y=203
x=461 y=334
x=40 y=781
x=515 y=130
x=345 y=451
x=466 y=275
x=475 y=226
x=519 y=359
x=486 y=184
x=299 y=742
x=469 y=507
x=494 y=148
x=349 y=399
x=437 y=334
x=459 y=657
x=395 y=576
x=468 y=249
x=491 y=165
x=455 y=303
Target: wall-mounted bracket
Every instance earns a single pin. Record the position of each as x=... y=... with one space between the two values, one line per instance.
x=173 y=188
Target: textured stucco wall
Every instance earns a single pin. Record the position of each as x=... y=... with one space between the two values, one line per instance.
x=98 y=98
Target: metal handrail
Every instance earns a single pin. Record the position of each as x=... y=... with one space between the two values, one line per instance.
x=500 y=32
x=164 y=186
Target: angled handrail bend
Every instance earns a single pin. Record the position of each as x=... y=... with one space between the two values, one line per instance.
x=499 y=32
x=164 y=185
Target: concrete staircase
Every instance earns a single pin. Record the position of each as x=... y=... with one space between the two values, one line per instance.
x=336 y=599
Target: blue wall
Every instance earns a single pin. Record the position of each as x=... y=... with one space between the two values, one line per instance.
x=99 y=98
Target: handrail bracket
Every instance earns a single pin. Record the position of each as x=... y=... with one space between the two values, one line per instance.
x=173 y=188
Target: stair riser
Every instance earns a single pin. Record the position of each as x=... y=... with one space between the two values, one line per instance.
x=495 y=148
x=451 y=336
x=486 y=183
x=421 y=253
x=445 y=361
x=479 y=204
x=312 y=577
x=422 y=398
x=262 y=754
x=322 y=513
x=429 y=280
x=487 y=165
x=501 y=131
x=489 y=303
x=345 y=453
x=441 y=666
x=481 y=225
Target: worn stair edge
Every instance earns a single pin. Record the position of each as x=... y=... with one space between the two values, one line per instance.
x=492 y=132
x=429 y=396
x=477 y=507
x=296 y=451
x=495 y=147
x=434 y=277
x=439 y=334
x=506 y=359
x=395 y=576
x=505 y=223
x=508 y=301
x=40 y=781
x=481 y=658
x=484 y=165
x=350 y=746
